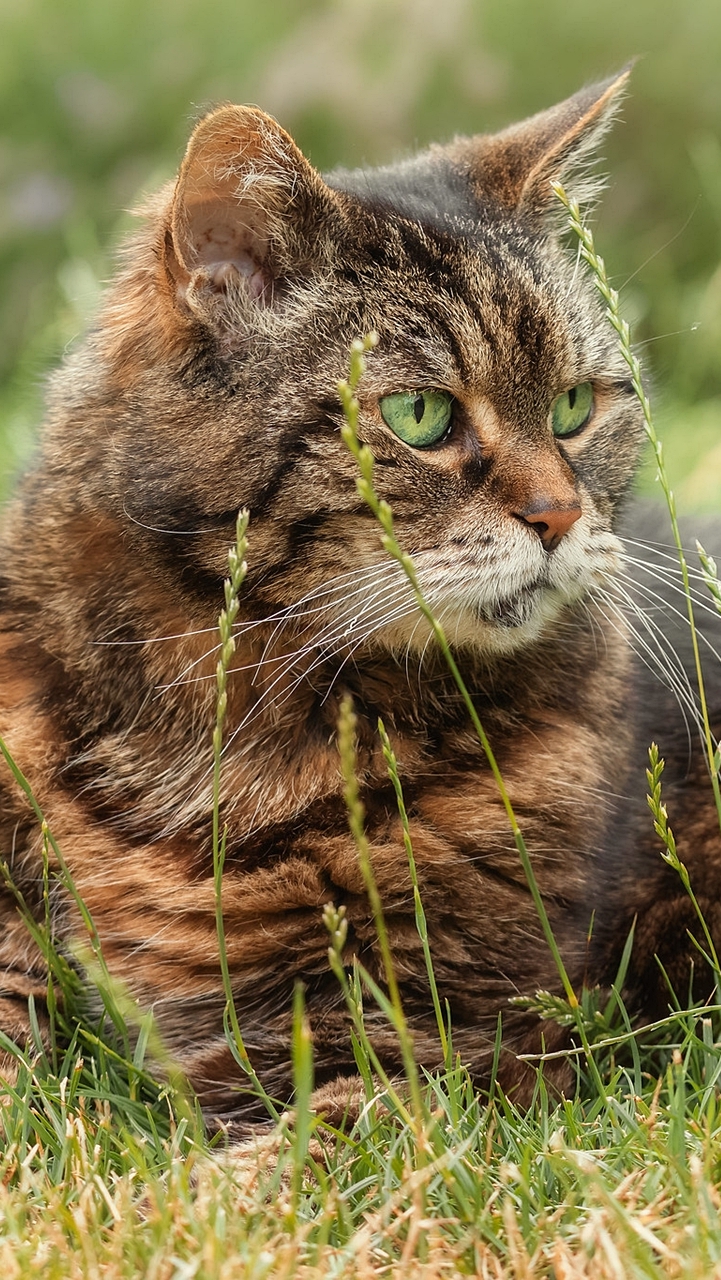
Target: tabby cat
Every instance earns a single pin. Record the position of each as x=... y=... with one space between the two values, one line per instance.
x=506 y=436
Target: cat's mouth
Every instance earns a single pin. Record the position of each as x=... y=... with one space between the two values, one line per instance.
x=513 y=611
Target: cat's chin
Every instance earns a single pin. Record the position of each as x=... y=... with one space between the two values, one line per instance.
x=501 y=628
x=513 y=611
x=514 y=622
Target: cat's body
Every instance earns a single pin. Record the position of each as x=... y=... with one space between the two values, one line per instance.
x=210 y=384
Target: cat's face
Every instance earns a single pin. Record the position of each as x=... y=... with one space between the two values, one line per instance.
x=496 y=404
x=503 y=427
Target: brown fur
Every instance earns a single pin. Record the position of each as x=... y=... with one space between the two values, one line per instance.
x=210 y=383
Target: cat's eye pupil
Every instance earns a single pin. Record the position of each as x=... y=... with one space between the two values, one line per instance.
x=419 y=418
x=571 y=411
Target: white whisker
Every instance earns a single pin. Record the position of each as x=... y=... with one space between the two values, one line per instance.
x=665 y=606
x=330 y=589
x=385 y=619
x=656 y=653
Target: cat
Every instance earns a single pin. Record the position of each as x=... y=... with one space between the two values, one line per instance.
x=506 y=436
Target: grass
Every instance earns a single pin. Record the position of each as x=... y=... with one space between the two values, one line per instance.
x=106 y=1172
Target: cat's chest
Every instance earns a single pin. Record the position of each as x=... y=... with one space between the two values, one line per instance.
x=561 y=773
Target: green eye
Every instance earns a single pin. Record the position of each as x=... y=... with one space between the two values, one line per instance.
x=572 y=410
x=420 y=418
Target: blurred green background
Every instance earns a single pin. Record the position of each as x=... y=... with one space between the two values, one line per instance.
x=98 y=97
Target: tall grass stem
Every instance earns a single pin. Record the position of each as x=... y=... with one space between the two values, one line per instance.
x=384 y=515
x=622 y=329
x=237 y=567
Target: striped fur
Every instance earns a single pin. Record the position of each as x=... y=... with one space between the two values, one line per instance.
x=210 y=383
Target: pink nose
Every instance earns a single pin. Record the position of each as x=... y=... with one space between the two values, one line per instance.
x=550 y=524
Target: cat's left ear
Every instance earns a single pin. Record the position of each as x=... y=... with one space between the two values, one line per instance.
x=515 y=168
x=248 y=210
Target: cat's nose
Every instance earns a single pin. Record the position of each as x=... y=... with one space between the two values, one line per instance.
x=549 y=522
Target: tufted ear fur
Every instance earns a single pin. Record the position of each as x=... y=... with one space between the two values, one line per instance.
x=515 y=168
x=248 y=209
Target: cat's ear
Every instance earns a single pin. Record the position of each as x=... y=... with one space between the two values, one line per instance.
x=515 y=168
x=248 y=208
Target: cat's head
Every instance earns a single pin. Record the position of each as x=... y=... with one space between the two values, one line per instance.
x=496 y=404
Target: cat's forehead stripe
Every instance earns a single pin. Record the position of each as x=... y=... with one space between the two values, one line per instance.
x=423 y=189
x=457 y=305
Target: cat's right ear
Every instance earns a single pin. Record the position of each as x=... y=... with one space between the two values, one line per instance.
x=515 y=168
x=247 y=211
